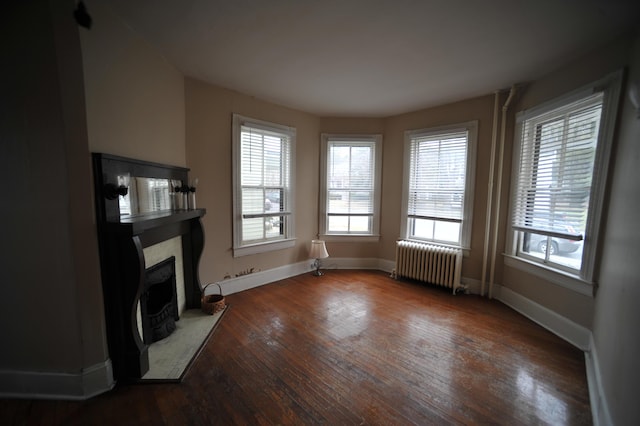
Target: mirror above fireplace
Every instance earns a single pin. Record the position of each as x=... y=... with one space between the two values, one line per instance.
x=127 y=187
x=147 y=195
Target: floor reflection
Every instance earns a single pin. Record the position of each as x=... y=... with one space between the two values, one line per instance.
x=437 y=351
x=276 y=324
x=549 y=409
x=348 y=314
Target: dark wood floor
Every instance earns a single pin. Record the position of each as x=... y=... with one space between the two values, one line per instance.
x=350 y=348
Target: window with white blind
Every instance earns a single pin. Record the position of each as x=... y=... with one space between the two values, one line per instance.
x=350 y=185
x=263 y=176
x=439 y=170
x=560 y=164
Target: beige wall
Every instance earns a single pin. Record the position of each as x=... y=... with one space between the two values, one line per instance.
x=136 y=108
x=617 y=314
x=135 y=98
x=209 y=113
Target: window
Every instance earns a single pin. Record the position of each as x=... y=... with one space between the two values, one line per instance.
x=263 y=195
x=438 y=193
x=560 y=168
x=350 y=193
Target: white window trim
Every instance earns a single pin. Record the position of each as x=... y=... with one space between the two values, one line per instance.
x=471 y=127
x=555 y=276
x=289 y=239
x=350 y=237
x=611 y=85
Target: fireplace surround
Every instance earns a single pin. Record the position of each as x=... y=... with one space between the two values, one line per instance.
x=122 y=240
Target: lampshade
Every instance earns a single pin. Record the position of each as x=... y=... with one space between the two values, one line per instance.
x=318 y=250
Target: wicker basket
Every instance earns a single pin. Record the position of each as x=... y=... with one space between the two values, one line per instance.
x=212 y=303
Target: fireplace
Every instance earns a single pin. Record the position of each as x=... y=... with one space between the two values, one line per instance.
x=123 y=241
x=159 y=302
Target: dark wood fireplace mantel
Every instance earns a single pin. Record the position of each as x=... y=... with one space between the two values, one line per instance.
x=122 y=241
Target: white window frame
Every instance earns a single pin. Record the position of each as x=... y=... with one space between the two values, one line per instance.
x=471 y=128
x=374 y=140
x=580 y=281
x=288 y=239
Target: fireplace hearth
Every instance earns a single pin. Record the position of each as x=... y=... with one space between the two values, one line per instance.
x=158 y=303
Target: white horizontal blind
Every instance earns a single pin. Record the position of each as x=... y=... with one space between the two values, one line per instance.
x=158 y=190
x=556 y=168
x=264 y=182
x=437 y=174
x=350 y=186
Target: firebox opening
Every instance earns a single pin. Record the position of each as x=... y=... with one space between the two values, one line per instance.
x=158 y=303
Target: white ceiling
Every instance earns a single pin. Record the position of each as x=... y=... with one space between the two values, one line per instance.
x=372 y=58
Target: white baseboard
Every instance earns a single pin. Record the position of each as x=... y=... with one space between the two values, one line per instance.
x=79 y=386
x=360 y=263
x=599 y=406
x=386 y=265
x=472 y=286
x=563 y=327
x=256 y=279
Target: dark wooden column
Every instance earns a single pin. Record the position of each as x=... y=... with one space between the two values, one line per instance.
x=132 y=267
x=192 y=247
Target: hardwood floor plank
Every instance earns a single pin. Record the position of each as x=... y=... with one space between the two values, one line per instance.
x=353 y=347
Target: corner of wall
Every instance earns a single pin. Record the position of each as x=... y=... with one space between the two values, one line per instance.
x=597 y=397
x=79 y=386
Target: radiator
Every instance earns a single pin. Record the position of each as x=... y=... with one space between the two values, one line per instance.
x=429 y=263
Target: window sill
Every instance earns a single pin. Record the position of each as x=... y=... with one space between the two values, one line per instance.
x=562 y=279
x=263 y=247
x=351 y=238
